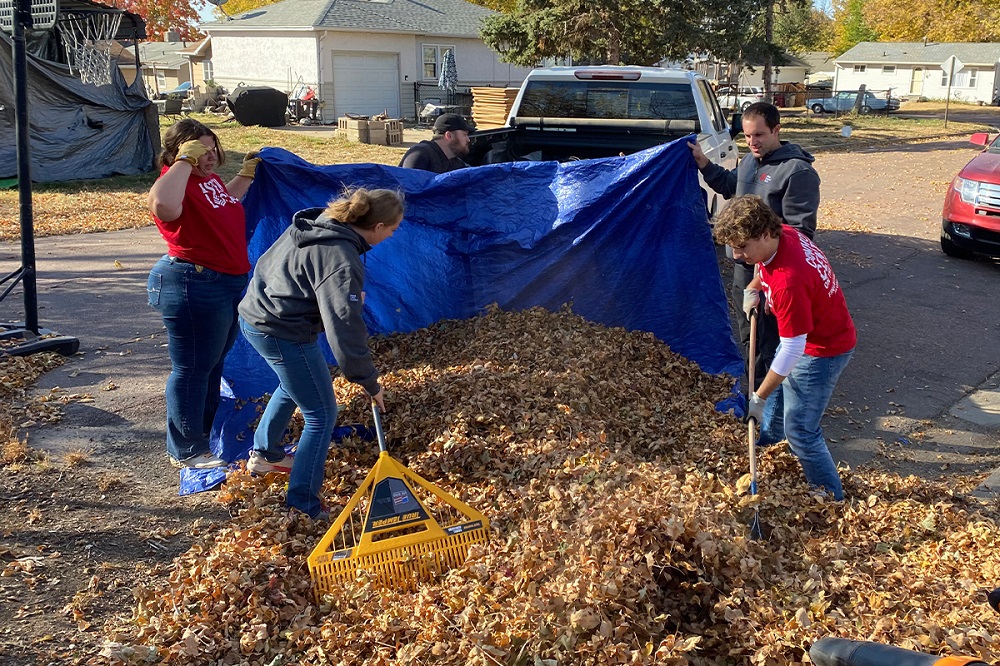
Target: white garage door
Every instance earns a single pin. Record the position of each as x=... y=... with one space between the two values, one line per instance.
x=366 y=83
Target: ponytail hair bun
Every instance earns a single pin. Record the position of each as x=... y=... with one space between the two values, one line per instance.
x=362 y=208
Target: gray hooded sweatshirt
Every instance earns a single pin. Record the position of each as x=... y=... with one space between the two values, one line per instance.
x=784 y=178
x=310 y=281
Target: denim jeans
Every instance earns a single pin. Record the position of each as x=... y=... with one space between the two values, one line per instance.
x=199 y=312
x=793 y=412
x=304 y=381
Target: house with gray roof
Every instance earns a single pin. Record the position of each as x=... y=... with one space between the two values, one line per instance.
x=164 y=65
x=922 y=69
x=357 y=56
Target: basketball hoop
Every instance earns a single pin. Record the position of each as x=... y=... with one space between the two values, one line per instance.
x=88 y=38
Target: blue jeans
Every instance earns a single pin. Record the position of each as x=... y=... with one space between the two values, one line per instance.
x=793 y=412
x=199 y=313
x=304 y=381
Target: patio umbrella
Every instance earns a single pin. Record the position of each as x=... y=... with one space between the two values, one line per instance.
x=448 y=78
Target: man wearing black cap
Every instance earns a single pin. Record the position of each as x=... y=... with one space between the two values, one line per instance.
x=445 y=151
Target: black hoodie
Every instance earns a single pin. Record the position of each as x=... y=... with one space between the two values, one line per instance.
x=310 y=281
x=784 y=178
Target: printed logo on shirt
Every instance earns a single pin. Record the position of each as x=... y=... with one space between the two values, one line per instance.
x=354 y=298
x=816 y=259
x=216 y=194
x=765 y=178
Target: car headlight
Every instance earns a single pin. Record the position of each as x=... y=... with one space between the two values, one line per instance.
x=968 y=189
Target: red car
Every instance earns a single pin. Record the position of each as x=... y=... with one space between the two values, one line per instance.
x=971 y=217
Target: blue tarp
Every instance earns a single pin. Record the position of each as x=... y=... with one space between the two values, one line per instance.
x=623 y=239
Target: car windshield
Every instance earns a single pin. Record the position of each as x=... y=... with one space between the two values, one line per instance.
x=608 y=100
x=994 y=147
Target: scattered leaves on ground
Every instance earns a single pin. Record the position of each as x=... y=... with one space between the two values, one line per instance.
x=619 y=515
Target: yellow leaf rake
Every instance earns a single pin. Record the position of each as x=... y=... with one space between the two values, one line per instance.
x=389 y=532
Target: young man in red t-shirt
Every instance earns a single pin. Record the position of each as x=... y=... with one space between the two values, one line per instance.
x=816 y=332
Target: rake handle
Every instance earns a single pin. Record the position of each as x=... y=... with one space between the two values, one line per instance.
x=378 y=429
x=751 y=425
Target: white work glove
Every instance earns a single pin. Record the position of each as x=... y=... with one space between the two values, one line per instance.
x=751 y=299
x=755 y=407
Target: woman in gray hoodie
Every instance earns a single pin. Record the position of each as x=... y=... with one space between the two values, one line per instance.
x=308 y=282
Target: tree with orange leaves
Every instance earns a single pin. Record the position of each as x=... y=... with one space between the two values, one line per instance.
x=163 y=15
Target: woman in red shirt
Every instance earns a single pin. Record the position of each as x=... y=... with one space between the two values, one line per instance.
x=197 y=285
x=816 y=331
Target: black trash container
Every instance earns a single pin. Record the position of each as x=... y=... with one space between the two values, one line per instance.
x=258 y=105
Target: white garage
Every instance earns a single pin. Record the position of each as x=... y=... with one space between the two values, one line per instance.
x=366 y=83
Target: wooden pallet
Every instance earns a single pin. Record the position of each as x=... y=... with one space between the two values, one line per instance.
x=490 y=106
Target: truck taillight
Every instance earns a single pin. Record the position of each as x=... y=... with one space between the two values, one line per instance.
x=606 y=75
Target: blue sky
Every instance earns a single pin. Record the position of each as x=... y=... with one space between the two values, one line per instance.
x=207 y=12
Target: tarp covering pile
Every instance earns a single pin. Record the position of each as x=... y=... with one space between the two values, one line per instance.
x=623 y=240
x=77 y=130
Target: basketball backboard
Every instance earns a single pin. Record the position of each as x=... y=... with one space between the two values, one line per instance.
x=43 y=14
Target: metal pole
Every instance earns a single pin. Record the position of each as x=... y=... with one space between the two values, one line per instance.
x=947 y=99
x=22 y=18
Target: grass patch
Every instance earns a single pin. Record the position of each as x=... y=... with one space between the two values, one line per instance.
x=817 y=132
x=108 y=482
x=77 y=458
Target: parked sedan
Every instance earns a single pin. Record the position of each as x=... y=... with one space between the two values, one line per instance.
x=971 y=217
x=844 y=102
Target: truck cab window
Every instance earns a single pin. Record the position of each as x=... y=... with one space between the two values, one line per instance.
x=604 y=99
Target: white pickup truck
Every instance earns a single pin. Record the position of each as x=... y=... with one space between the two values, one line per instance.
x=569 y=113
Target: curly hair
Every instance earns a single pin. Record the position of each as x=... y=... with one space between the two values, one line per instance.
x=745 y=218
x=184 y=130
x=366 y=208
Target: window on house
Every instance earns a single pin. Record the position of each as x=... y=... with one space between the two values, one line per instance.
x=206 y=70
x=432 y=55
x=161 y=80
x=860 y=69
x=888 y=69
x=944 y=78
x=973 y=76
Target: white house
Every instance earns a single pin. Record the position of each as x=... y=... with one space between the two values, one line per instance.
x=359 y=56
x=918 y=69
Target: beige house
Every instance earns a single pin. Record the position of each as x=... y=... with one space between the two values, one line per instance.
x=791 y=70
x=164 y=65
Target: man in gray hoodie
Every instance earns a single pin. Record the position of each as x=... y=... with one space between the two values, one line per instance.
x=781 y=174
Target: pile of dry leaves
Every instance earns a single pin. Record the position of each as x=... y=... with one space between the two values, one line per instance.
x=617 y=496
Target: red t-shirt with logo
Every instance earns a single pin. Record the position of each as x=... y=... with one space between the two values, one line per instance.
x=805 y=297
x=211 y=230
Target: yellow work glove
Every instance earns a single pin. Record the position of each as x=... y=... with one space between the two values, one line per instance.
x=250 y=163
x=191 y=151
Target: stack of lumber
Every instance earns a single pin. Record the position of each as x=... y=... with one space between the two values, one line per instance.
x=490 y=106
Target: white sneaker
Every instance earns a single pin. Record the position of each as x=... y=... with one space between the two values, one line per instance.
x=203 y=461
x=258 y=464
